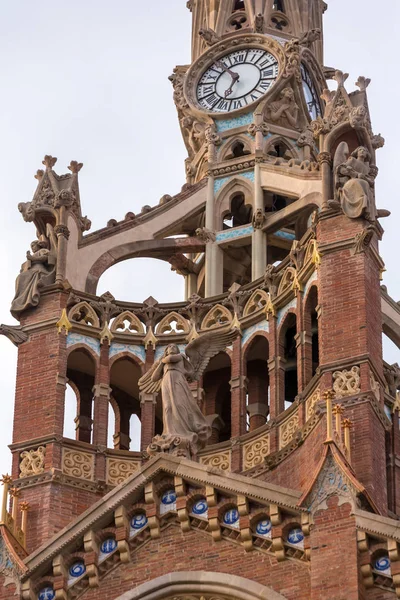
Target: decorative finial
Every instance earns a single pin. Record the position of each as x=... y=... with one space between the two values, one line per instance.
x=363 y=82
x=328 y=397
x=39 y=174
x=75 y=167
x=49 y=161
x=340 y=77
x=150 y=338
x=106 y=335
x=64 y=324
x=347 y=426
x=6 y=479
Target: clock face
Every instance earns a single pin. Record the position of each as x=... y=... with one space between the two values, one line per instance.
x=311 y=94
x=237 y=80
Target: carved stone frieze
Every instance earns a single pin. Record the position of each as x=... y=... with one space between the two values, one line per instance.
x=78 y=464
x=118 y=470
x=347 y=383
x=218 y=460
x=32 y=462
x=255 y=452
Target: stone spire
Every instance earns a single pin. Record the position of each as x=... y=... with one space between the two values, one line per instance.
x=215 y=19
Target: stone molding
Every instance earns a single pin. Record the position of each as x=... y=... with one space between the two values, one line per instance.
x=201 y=583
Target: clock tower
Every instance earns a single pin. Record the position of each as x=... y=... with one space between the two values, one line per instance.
x=289 y=486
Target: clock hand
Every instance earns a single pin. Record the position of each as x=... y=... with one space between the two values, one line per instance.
x=221 y=65
x=235 y=78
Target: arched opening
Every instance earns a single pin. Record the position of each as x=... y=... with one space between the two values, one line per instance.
x=237 y=150
x=311 y=355
x=217 y=397
x=288 y=350
x=238 y=5
x=81 y=371
x=124 y=376
x=136 y=279
x=240 y=211
x=257 y=382
x=70 y=412
x=278 y=5
x=201 y=584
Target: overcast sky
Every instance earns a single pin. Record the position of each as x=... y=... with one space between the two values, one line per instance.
x=87 y=80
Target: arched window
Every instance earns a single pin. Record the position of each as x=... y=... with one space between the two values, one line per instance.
x=217 y=394
x=288 y=350
x=257 y=382
x=81 y=375
x=241 y=212
x=124 y=376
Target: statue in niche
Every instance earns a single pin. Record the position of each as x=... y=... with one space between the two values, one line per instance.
x=285 y=109
x=354 y=182
x=185 y=428
x=38 y=271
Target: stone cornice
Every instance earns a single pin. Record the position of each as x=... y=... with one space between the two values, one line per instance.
x=378 y=526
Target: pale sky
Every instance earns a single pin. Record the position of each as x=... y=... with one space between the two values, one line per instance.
x=87 y=80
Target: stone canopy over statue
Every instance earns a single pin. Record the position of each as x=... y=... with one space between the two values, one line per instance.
x=185 y=428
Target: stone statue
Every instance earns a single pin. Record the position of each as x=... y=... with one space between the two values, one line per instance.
x=38 y=271
x=285 y=109
x=185 y=430
x=354 y=182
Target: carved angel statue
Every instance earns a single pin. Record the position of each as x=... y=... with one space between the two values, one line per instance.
x=38 y=270
x=185 y=429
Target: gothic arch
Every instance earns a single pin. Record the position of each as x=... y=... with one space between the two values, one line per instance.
x=278 y=140
x=236 y=186
x=228 y=147
x=201 y=584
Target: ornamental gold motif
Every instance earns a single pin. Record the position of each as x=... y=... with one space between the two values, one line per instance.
x=219 y=460
x=119 y=470
x=32 y=462
x=78 y=464
x=255 y=452
x=288 y=430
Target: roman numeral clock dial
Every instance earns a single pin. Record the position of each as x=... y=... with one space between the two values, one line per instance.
x=237 y=80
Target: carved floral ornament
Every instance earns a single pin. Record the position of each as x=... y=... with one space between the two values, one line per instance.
x=218 y=460
x=78 y=464
x=288 y=429
x=347 y=383
x=32 y=462
x=119 y=470
x=255 y=452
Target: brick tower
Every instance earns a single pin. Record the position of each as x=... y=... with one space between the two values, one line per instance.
x=294 y=493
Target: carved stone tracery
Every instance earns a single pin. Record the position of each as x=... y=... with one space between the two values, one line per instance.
x=32 y=462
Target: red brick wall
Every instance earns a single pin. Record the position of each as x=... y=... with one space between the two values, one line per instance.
x=194 y=551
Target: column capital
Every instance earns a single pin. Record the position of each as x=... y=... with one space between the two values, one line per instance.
x=145 y=397
x=101 y=390
x=238 y=382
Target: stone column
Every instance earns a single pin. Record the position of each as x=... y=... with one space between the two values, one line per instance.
x=325 y=162
x=148 y=406
x=214 y=254
x=238 y=385
x=101 y=397
x=259 y=245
